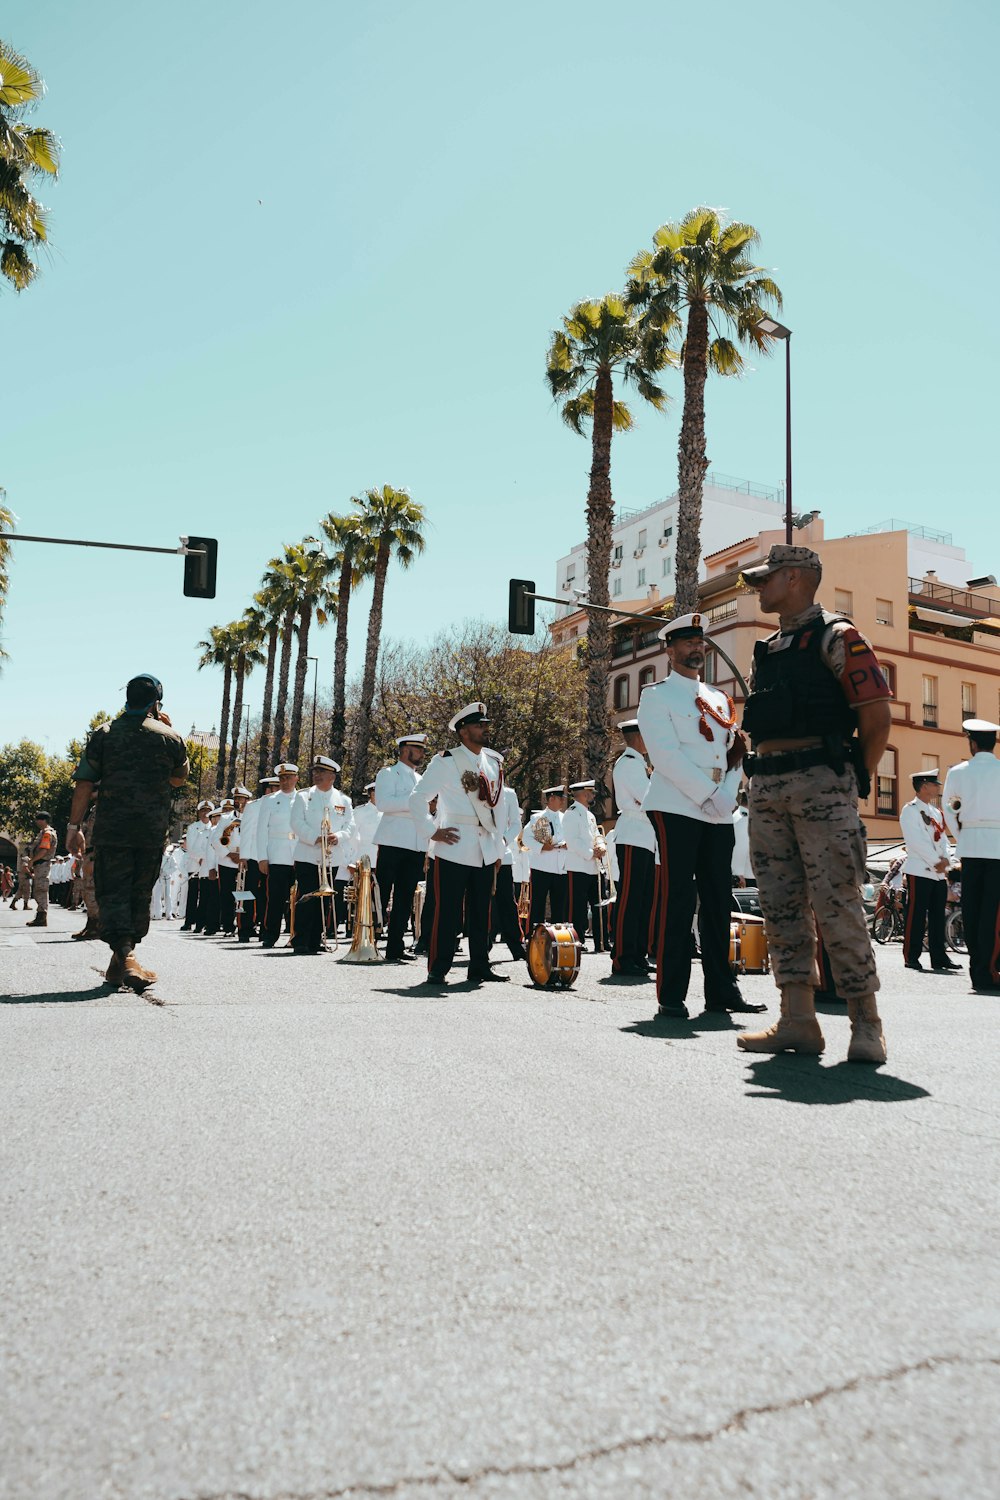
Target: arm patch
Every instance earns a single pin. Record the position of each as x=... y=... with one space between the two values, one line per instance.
x=862 y=678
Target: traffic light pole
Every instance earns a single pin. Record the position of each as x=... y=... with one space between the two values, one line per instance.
x=631 y=614
x=65 y=541
x=200 y=560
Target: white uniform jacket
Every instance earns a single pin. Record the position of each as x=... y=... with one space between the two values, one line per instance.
x=307 y=824
x=394 y=786
x=926 y=838
x=196 y=839
x=689 y=768
x=630 y=780
x=479 y=842
x=275 y=839
x=580 y=830
x=227 y=856
x=551 y=861
x=971 y=806
x=248 y=830
x=366 y=820
x=742 y=868
x=508 y=818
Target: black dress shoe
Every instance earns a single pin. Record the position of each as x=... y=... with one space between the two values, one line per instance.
x=516 y=953
x=267 y=942
x=947 y=967
x=630 y=966
x=435 y=979
x=917 y=965
x=487 y=976
x=186 y=928
x=737 y=1006
x=400 y=958
x=677 y=1012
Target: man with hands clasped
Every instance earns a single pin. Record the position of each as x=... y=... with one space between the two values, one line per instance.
x=689 y=730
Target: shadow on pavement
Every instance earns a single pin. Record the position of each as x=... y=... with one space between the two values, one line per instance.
x=805 y=1080
x=61 y=997
x=671 y=1028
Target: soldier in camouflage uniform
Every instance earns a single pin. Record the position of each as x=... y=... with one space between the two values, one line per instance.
x=92 y=929
x=818 y=716
x=23 y=893
x=39 y=856
x=137 y=759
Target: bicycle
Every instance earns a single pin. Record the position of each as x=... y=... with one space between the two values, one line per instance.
x=954 y=931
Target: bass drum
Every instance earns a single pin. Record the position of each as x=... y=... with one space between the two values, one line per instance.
x=554 y=955
x=748 y=945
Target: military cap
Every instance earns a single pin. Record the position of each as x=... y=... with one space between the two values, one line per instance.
x=241 y=791
x=204 y=803
x=980 y=726
x=919 y=777
x=411 y=739
x=324 y=763
x=554 y=791
x=581 y=786
x=683 y=628
x=41 y=813
x=629 y=726
x=268 y=781
x=472 y=713
x=143 y=690
x=782 y=555
x=285 y=768
x=369 y=786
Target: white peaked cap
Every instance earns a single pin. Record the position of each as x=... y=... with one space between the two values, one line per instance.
x=472 y=713
x=285 y=768
x=324 y=763
x=411 y=739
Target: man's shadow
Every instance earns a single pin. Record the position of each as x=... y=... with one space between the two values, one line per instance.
x=675 y=1028
x=61 y=997
x=805 y=1080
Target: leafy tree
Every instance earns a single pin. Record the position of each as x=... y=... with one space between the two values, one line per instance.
x=23 y=771
x=599 y=342
x=26 y=152
x=701 y=269
x=393 y=527
x=353 y=560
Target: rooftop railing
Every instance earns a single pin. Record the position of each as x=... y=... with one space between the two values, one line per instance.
x=717 y=481
x=926 y=591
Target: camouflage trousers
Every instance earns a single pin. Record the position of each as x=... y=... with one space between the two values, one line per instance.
x=123 y=883
x=87 y=893
x=808 y=850
x=40 y=884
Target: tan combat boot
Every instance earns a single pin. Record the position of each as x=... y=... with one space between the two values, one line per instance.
x=796 y=1029
x=115 y=969
x=92 y=930
x=40 y=919
x=867 y=1040
x=135 y=976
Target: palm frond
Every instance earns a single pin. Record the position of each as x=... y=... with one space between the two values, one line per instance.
x=20 y=85
x=41 y=150
x=16 y=264
x=724 y=358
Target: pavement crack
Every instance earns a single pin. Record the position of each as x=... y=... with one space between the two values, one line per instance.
x=736 y=1423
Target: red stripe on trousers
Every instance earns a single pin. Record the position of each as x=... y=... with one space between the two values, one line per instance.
x=664 y=894
x=911 y=901
x=432 y=946
x=626 y=870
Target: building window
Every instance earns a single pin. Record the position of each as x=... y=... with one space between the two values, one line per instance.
x=640 y=578
x=668 y=566
x=968 y=700
x=887 y=802
x=621 y=692
x=929 y=762
x=642 y=538
x=646 y=676
x=616 y=588
x=843 y=601
x=618 y=553
x=668 y=531
x=570 y=572
x=889 y=673
x=883 y=611
x=930 y=702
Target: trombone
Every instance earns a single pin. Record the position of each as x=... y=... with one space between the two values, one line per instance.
x=324 y=891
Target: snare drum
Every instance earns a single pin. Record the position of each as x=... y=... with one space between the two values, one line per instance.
x=748 y=945
x=554 y=955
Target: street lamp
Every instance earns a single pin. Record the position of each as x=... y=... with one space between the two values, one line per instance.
x=246 y=742
x=312 y=742
x=772 y=329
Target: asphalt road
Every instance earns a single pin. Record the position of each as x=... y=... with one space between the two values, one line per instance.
x=304 y=1231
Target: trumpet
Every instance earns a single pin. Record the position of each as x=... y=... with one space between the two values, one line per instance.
x=227 y=832
x=362 y=949
x=324 y=891
x=524 y=907
x=604 y=866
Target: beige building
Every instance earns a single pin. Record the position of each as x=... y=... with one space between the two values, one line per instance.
x=939 y=645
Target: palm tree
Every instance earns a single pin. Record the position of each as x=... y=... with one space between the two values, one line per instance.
x=598 y=341
x=25 y=152
x=705 y=267
x=312 y=567
x=6 y=527
x=353 y=560
x=284 y=572
x=393 y=523
x=247 y=637
x=219 y=651
x=270 y=600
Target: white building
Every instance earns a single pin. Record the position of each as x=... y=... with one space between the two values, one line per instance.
x=928 y=552
x=644 y=541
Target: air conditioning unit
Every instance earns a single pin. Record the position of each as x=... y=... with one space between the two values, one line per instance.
x=616 y=562
x=664 y=541
x=638 y=551
x=568 y=584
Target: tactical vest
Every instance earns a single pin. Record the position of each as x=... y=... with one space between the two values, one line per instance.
x=795 y=695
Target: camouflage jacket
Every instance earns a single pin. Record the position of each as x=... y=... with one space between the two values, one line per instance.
x=133 y=758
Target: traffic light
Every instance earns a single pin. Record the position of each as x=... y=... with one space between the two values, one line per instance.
x=521 y=607
x=199 y=567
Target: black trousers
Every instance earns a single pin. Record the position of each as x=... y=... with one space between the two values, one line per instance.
x=503 y=915
x=397 y=872
x=248 y=914
x=277 y=887
x=208 y=907
x=636 y=869
x=227 y=908
x=583 y=895
x=309 y=933
x=695 y=863
x=555 y=889
x=981 y=920
x=193 y=901
x=925 y=904
x=459 y=890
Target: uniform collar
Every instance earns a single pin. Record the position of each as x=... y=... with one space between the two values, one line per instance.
x=795 y=622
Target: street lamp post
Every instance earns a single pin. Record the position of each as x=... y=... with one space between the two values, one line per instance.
x=312 y=742
x=246 y=742
x=775 y=330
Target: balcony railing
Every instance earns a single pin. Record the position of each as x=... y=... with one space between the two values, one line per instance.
x=930 y=715
x=925 y=590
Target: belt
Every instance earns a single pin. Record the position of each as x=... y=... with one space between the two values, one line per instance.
x=781 y=761
x=450 y=822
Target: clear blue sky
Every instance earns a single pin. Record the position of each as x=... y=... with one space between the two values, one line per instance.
x=301 y=251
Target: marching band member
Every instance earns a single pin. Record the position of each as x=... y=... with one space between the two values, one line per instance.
x=276 y=850
x=250 y=913
x=366 y=820
x=690 y=734
x=504 y=918
x=543 y=839
x=196 y=839
x=585 y=848
x=926 y=872
x=321 y=803
x=635 y=850
x=400 y=844
x=468 y=784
